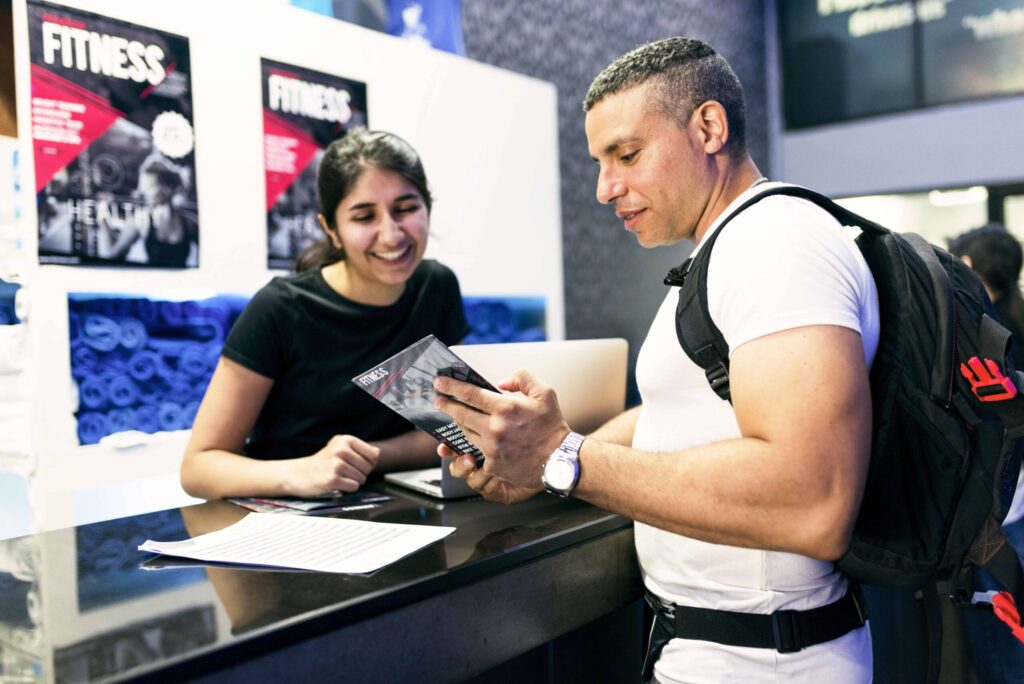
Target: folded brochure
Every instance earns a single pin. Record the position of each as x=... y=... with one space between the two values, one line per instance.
x=405 y=384
x=340 y=503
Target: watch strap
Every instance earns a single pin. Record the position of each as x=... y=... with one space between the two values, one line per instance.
x=572 y=443
x=568 y=451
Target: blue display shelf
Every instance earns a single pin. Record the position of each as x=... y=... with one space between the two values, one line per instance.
x=142 y=363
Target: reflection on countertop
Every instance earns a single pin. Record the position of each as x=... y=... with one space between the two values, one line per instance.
x=83 y=604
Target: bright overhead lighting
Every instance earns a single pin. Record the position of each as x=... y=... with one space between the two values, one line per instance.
x=954 y=198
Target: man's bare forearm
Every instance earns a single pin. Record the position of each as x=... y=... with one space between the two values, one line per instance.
x=620 y=429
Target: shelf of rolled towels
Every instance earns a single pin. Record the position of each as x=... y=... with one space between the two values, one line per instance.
x=142 y=364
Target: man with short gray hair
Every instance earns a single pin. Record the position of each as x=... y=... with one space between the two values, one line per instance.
x=741 y=509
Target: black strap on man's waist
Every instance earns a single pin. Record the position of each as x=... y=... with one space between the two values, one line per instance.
x=787 y=631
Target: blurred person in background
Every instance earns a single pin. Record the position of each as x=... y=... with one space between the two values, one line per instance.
x=996 y=256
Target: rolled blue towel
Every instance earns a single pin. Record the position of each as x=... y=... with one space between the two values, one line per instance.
x=477 y=316
x=123 y=391
x=213 y=350
x=74 y=330
x=180 y=390
x=171 y=416
x=218 y=331
x=124 y=306
x=112 y=365
x=103 y=306
x=218 y=310
x=170 y=312
x=192 y=361
x=122 y=420
x=145 y=310
x=503 y=321
x=530 y=335
x=100 y=333
x=133 y=333
x=84 y=362
x=151 y=392
x=191 y=309
x=147 y=418
x=165 y=363
x=93 y=392
x=202 y=329
x=189 y=412
x=92 y=427
x=199 y=388
x=143 y=365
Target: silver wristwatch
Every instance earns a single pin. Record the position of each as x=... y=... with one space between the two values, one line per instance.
x=562 y=469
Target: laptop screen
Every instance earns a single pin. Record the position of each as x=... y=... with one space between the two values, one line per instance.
x=589 y=376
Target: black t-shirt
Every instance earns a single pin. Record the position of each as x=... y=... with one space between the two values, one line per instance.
x=312 y=341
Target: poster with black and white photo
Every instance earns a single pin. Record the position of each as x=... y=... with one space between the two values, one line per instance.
x=303 y=112
x=113 y=143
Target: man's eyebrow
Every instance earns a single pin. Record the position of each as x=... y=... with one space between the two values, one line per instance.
x=611 y=148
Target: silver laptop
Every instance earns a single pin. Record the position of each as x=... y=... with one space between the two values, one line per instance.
x=437 y=482
x=589 y=377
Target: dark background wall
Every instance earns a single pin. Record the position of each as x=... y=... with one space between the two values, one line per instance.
x=612 y=286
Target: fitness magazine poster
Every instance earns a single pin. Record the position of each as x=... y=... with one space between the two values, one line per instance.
x=303 y=112
x=113 y=141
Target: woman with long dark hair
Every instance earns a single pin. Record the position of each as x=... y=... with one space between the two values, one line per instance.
x=281 y=415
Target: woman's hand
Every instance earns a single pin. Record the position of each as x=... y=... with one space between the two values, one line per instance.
x=341 y=466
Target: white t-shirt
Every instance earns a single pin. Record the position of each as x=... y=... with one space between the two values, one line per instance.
x=782 y=263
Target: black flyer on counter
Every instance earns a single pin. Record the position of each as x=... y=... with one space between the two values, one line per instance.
x=113 y=142
x=303 y=112
x=405 y=384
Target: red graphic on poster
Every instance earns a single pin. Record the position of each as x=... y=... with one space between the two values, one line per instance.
x=65 y=120
x=287 y=150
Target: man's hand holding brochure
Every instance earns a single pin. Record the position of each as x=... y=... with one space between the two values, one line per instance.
x=405 y=384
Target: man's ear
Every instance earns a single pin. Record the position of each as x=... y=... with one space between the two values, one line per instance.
x=335 y=240
x=713 y=125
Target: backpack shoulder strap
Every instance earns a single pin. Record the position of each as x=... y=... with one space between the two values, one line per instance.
x=698 y=335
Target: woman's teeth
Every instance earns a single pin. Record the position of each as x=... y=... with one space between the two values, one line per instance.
x=393 y=255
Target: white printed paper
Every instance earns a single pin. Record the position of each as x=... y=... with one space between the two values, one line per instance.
x=322 y=544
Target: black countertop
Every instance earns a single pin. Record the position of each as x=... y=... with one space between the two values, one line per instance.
x=83 y=604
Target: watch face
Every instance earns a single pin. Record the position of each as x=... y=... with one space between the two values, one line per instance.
x=560 y=474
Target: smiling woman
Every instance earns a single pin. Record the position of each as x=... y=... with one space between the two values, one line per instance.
x=381 y=228
x=281 y=415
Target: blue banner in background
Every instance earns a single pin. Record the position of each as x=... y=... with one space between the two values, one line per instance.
x=436 y=23
x=144 y=364
x=505 y=319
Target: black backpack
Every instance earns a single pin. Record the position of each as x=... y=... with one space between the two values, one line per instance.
x=948 y=414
